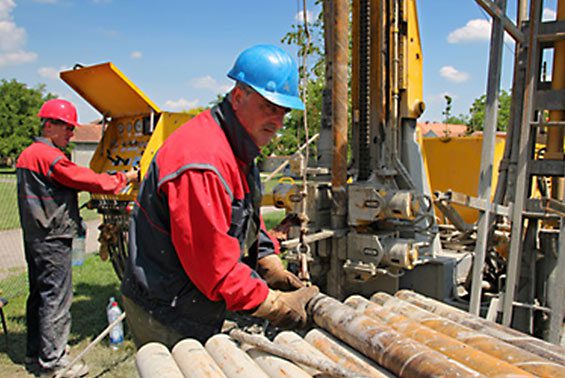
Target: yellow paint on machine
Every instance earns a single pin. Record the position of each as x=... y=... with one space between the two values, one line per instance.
x=454 y=164
x=135 y=127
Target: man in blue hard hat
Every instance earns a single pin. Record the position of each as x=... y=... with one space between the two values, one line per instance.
x=197 y=243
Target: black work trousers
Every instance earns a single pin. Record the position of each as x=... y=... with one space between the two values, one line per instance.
x=48 y=313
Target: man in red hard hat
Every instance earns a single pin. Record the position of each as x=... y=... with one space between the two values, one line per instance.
x=197 y=244
x=48 y=184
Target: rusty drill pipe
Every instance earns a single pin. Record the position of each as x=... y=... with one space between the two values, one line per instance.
x=469 y=356
x=322 y=365
x=518 y=357
x=377 y=341
x=194 y=361
x=291 y=340
x=276 y=367
x=153 y=360
x=339 y=111
x=234 y=362
x=542 y=348
x=343 y=355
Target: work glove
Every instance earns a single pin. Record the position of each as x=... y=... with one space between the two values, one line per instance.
x=286 y=310
x=276 y=276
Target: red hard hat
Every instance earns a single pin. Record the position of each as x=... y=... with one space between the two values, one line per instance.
x=58 y=109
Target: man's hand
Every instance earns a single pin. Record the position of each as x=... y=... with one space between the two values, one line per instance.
x=277 y=277
x=132 y=175
x=287 y=310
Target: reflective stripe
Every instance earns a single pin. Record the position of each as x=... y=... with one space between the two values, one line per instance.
x=52 y=165
x=209 y=167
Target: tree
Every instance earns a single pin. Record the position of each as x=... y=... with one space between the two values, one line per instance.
x=477 y=112
x=19 y=106
x=293 y=134
x=450 y=119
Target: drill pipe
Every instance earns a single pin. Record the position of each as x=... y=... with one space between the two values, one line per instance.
x=275 y=366
x=194 y=361
x=234 y=362
x=397 y=353
x=518 y=357
x=323 y=365
x=153 y=360
x=345 y=356
x=473 y=358
x=543 y=349
x=292 y=341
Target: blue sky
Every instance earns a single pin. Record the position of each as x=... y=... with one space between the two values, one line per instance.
x=178 y=52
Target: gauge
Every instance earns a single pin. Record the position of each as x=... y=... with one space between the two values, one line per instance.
x=129 y=127
x=138 y=126
x=120 y=128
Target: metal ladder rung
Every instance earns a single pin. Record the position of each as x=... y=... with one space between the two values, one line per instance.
x=546 y=168
x=548 y=124
x=551 y=31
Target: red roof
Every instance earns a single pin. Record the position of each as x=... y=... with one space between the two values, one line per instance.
x=436 y=129
x=88 y=133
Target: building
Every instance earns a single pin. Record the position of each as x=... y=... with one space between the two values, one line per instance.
x=86 y=140
x=441 y=130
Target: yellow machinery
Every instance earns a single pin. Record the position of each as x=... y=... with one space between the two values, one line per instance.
x=133 y=129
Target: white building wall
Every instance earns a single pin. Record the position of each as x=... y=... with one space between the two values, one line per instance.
x=82 y=153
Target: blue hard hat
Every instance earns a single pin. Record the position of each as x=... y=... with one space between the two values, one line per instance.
x=271 y=72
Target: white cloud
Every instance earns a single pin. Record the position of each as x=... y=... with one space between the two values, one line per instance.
x=16 y=57
x=5 y=9
x=49 y=72
x=209 y=83
x=452 y=74
x=299 y=17
x=136 y=54
x=474 y=30
x=549 y=15
x=181 y=104
x=12 y=38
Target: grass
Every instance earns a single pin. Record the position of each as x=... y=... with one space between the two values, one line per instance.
x=94 y=283
x=273 y=219
x=9 y=203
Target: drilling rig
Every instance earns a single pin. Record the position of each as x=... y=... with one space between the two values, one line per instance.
x=368 y=224
x=367 y=220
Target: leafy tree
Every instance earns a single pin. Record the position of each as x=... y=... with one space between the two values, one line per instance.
x=477 y=112
x=19 y=106
x=293 y=133
x=450 y=119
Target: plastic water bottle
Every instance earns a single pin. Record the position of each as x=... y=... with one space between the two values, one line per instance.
x=79 y=246
x=113 y=311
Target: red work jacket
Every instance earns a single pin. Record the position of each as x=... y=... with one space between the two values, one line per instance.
x=48 y=183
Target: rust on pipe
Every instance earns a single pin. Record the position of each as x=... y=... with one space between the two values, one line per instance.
x=234 y=362
x=292 y=341
x=276 y=367
x=542 y=348
x=518 y=357
x=153 y=360
x=323 y=365
x=378 y=341
x=194 y=361
x=339 y=110
x=343 y=355
x=465 y=354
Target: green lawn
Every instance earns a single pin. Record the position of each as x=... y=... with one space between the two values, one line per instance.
x=94 y=283
x=273 y=219
x=9 y=206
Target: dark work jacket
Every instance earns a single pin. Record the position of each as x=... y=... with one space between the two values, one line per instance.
x=48 y=209
x=154 y=277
